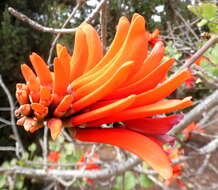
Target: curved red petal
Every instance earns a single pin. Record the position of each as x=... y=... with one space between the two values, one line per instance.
x=131 y=141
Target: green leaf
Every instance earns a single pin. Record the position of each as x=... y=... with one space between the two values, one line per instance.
x=2 y=180
x=144 y=181
x=208 y=10
x=19 y=182
x=202 y=23
x=32 y=148
x=130 y=180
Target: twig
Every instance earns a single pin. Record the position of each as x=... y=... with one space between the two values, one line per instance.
x=95 y=11
x=196 y=113
x=5 y=121
x=59 y=34
x=69 y=174
x=37 y=26
x=185 y=23
x=201 y=51
x=7 y=148
x=158 y=182
x=13 y=124
x=45 y=147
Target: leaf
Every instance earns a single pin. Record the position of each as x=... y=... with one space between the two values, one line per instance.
x=130 y=180
x=144 y=181
x=2 y=180
x=202 y=23
x=208 y=10
x=32 y=148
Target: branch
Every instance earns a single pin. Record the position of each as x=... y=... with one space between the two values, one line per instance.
x=201 y=51
x=13 y=124
x=63 y=26
x=196 y=113
x=37 y=26
x=52 y=174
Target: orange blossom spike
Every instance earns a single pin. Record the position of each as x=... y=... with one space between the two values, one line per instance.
x=131 y=141
x=41 y=69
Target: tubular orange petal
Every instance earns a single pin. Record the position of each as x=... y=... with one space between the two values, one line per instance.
x=134 y=48
x=111 y=84
x=79 y=60
x=122 y=29
x=147 y=83
x=155 y=33
x=55 y=125
x=45 y=96
x=27 y=73
x=105 y=111
x=65 y=61
x=61 y=79
x=63 y=106
x=41 y=69
x=150 y=63
x=59 y=49
x=34 y=86
x=95 y=49
x=153 y=126
x=162 y=107
x=163 y=90
x=133 y=142
x=40 y=111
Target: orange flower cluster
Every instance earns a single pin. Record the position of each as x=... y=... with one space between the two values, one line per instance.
x=175 y=153
x=128 y=84
x=88 y=162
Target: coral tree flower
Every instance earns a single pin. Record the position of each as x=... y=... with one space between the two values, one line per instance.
x=88 y=162
x=89 y=89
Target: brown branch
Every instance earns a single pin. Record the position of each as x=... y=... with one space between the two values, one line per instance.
x=196 y=113
x=20 y=16
x=69 y=174
x=59 y=34
x=13 y=124
x=201 y=51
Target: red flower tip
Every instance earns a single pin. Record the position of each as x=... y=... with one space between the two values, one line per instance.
x=55 y=126
x=54 y=156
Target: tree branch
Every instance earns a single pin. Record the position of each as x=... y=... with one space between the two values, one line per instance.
x=196 y=113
